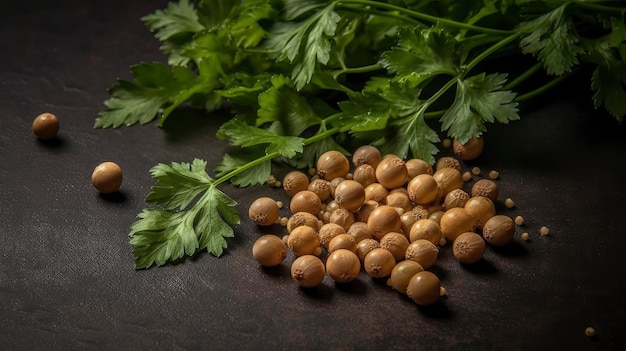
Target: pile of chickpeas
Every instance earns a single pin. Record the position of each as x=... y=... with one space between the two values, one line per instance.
x=388 y=218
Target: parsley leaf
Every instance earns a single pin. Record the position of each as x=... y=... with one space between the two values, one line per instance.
x=288 y=112
x=241 y=134
x=139 y=101
x=251 y=176
x=174 y=26
x=479 y=100
x=195 y=216
x=305 y=43
x=551 y=38
x=425 y=52
x=608 y=82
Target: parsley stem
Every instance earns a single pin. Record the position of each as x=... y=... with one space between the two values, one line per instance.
x=273 y=155
x=597 y=7
x=362 y=69
x=543 y=88
x=522 y=77
x=495 y=47
x=424 y=16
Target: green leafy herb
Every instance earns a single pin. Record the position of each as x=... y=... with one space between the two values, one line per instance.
x=195 y=216
x=303 y=77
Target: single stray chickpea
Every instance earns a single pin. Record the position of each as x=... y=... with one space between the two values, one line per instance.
x=107 y=177
x=46 y=126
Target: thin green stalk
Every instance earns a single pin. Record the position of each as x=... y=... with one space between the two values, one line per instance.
x=522 y=77
x=542 y=88
x=352 y=70
x=425 y=17
x=369 y=11
x=495 y=47
x=598 y=7
x=271 y=156
x=244 y=168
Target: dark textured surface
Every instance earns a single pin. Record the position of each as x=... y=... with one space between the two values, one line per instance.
x=66 y=274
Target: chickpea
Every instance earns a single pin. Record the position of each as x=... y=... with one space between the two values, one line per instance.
x=470 y=150
x=423 y=252
x=305 y=201
x=499 y=230
x=401 y=274
x=422 y=189
x=395 y=243
x=366 y=154
x=365 y=174
x=342 y=217
x=424 y=288
x=294 y=182
x=332 y=164
x=416 y=166
x=360 y=231
x=481 y=208
x=303 y=219
x=303 y=240
x=376 y=192
x=342 y=241
x=269 y=250
x=343 y=266
x=456 y=198
x=350 y=195
x=448 y=179
x=46 y=126
x=264 y=211
x=107 y=177
x=364 y=246
x=308 y=271
x=328 y=231
x=321 y=187
x=391 y=172
x=448 y=161
x=379 y=263
x=426 y=229
x=456 y=221
x=486 y=188
x=468 y=247
x=384 y=219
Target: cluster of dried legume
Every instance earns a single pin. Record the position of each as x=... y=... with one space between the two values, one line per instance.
x=388 y=217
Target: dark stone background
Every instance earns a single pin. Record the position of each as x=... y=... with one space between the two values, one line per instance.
x=66 y=272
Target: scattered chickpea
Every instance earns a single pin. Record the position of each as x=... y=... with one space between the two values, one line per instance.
x=278 y=184
x=476 y=171
x=509 y=203
x=442 y=291
x=46 y=126
x=279 y=204
x=283 y=221
x=349 y=176
x=107 y=177
x=519 y=220
x=312 y=172
x=271 y=180
x=544 y=231
x=494 y=174
x=442 y=241
x=446 y=143
x=524 y=236
x=590 y=332
x=467 y=176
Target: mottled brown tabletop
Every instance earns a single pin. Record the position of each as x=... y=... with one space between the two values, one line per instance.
x=66 y=270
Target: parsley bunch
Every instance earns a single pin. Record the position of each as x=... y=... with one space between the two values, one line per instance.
x=305 y=76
